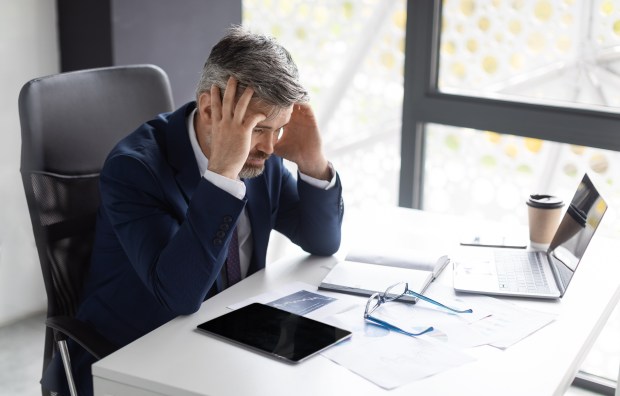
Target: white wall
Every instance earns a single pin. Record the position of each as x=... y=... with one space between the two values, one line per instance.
x=28 y=49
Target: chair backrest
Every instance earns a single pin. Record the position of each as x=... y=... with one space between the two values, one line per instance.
x=69 y=123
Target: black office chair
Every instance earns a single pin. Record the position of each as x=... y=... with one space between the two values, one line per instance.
x=69 y=123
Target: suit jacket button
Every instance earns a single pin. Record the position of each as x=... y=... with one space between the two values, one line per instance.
x=228 y=219
x=224 y=227
x=220 y=234
x=217 y=242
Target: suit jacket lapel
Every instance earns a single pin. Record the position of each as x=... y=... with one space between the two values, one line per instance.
x=180 y=153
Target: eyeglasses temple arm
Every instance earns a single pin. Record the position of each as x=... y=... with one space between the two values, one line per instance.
x=382 y=323
x=430 y=300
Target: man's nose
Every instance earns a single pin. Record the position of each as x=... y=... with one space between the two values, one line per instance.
x=265 y=142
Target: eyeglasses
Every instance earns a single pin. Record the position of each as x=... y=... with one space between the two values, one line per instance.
x=393 y=293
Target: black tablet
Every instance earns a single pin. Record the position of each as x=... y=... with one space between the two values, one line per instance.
x=275 y=332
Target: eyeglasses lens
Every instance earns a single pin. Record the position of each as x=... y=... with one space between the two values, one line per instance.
x=395 y=291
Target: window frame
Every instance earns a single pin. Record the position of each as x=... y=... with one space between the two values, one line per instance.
x=423 y=104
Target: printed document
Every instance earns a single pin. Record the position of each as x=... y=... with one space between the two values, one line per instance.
x=386 y=358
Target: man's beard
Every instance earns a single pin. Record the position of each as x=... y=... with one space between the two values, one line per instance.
x=249 y=171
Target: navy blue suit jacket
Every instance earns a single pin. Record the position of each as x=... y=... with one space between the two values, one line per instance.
x=163 y=231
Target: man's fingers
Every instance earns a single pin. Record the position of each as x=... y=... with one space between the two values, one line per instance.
x=229 y=97
x=216 y=103
x=243 y=103
x=254 y=119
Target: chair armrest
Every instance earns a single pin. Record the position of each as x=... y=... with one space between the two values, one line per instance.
x=82 y=333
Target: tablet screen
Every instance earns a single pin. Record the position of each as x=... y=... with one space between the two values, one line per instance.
x=278 y=333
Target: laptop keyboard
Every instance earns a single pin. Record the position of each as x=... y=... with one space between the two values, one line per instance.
x=520 y=272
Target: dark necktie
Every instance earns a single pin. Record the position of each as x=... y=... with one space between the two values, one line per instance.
x=233 y=266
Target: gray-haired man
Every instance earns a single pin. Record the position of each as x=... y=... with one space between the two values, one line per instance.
x=189 y=199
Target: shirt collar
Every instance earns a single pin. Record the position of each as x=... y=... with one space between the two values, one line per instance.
x=201 y=158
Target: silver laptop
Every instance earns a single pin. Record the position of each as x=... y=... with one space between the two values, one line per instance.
x=526 y=273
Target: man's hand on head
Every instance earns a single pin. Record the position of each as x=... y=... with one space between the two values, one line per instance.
x=231 y=129
x=301 y=143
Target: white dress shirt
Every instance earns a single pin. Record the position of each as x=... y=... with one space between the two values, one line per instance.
x=237 y=189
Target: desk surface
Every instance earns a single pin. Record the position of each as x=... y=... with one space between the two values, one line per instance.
x=175 y=359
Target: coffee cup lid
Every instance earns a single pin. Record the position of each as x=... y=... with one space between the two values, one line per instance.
x=545 y=201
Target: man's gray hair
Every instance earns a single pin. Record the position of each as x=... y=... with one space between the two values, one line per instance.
x=254 y=60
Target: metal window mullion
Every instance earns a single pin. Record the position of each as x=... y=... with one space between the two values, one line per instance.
x=421 y=59
x=561 y=124
x=594 y=383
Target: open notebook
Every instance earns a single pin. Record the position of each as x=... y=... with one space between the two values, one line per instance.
x=364 y=279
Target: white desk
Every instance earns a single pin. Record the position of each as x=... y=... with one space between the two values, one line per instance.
x=177 y=360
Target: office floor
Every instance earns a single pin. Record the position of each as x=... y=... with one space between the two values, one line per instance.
x=21 y=356
x=21 y=346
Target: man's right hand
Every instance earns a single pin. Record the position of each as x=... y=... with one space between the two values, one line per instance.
x=231 y=129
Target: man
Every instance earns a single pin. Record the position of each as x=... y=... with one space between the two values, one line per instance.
x=185 y=187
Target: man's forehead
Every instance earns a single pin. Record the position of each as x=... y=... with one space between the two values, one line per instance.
x=276 y=116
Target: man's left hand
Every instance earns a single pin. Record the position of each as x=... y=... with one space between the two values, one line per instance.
x=301 y=143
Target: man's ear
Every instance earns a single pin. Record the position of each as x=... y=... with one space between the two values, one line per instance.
x=204 y=106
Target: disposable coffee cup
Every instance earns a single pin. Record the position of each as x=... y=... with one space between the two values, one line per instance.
x=544 y=213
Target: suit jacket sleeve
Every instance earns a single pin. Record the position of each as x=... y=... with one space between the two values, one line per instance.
x=311 y=217
x=176 y=250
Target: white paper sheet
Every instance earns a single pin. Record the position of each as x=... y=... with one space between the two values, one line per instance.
x=386 y=358
x=509 y=324
x=395 y=257
x=504 y=323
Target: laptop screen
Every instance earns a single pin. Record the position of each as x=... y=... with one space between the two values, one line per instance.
x=578 y=225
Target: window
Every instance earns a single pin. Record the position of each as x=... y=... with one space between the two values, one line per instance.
x=350 y=56
x=564 y=51
x=558 y=54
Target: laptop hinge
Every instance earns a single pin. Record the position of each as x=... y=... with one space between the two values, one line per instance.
x=556 y=274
